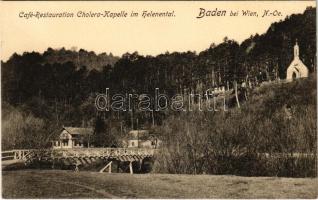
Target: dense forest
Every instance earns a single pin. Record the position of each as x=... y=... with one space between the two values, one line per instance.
x=79 y=58
x=42 y=92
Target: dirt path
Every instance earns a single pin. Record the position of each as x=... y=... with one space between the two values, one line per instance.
x=49 y=179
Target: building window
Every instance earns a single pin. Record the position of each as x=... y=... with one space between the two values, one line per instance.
x=132 y=144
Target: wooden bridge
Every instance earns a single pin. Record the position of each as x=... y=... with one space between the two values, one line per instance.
x=14 y=156
x=77 y=157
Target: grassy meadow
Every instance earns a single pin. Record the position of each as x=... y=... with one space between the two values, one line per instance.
x=69 y=184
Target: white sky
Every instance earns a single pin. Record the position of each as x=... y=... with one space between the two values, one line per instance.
x=147 y=36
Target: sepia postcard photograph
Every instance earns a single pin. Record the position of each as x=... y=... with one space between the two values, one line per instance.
x=158 y=99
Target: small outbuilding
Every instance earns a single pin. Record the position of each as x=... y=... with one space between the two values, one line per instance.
x=141 y=139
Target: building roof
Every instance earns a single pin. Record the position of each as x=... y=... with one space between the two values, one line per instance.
x=78 y=130
x=140 y=135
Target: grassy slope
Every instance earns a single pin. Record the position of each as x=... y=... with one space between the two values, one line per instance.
x=66 y=184
x=270 y=97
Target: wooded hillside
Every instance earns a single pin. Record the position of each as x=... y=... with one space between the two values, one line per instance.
x=59 y=87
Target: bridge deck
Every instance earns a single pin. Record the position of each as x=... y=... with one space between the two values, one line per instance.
x=121 y=154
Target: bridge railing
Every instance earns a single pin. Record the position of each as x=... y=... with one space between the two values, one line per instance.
x=102 y=152
x=16 y=154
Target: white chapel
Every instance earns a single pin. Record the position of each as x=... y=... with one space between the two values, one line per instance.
x=296 y=69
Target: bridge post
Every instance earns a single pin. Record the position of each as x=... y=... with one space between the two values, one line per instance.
x=109 y=166
x=140 y=164
x=118 y=165
x=53 y=160
x=131 y=168
x=53 y=163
